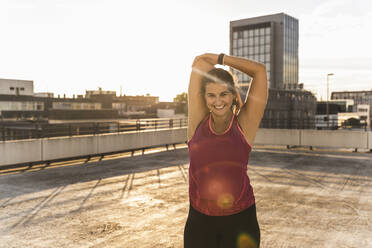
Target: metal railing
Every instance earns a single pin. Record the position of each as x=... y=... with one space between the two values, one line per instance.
x=309 y=124
x=45 y=130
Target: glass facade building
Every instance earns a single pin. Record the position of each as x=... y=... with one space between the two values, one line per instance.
x=253 y=43
x=271 y=40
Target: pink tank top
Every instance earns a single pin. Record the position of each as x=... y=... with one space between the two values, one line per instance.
x=218 y=180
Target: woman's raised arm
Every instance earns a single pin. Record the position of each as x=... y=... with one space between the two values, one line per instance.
x=252 y=111
x=197 y=109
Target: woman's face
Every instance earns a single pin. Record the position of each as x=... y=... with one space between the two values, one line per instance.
x=218 y=98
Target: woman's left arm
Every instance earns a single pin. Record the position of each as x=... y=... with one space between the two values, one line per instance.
x=252 y=111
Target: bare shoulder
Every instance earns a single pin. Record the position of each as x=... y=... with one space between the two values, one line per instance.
x=193 y=123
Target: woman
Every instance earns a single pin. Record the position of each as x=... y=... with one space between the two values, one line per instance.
x=221 y=132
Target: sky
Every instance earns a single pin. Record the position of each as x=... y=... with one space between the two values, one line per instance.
x=69 y=46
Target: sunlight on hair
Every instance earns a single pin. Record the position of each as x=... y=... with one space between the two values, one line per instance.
x=205 y=74
x=246 y=241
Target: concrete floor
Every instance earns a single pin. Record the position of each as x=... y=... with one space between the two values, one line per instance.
x=304 y=199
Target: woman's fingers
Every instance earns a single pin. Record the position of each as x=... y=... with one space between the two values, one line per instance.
x=200 y=58
x=210 y=57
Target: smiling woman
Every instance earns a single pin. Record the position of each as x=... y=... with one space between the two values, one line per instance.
x=221 y=96
x=221 y=131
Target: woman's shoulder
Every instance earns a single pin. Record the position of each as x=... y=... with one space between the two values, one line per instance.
x=202 y=123
x=204 y=120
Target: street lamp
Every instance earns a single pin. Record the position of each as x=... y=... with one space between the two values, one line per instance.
x=329 y=74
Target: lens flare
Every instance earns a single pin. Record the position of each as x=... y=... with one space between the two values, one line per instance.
x=225 y=201
x=246 y=241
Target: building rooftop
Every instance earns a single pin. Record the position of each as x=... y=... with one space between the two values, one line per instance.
x=303 y=198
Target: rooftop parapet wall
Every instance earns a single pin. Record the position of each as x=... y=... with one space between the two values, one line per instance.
x=48 y=149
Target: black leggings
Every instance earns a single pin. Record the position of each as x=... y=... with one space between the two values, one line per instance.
x=239 y=230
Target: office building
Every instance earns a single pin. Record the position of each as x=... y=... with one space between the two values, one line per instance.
x=16 y=87
x=271 y=40
x=361 y=99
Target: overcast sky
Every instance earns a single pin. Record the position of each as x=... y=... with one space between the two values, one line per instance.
x=69 y=46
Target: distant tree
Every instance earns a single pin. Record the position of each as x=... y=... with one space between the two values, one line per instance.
x=181 y=100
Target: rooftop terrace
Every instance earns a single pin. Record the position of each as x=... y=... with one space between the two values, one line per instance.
x=304 y=198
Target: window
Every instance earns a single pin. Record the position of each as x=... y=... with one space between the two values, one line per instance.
x=11 y=88
x=262 y=40
x=267 y=57
x=267 y=31
x=262 y=58
x=240 y=43
x=262 y=49
x=267 y=39
x=240 y=51
x=22 y=88
x=250 y=41
x=267 y=48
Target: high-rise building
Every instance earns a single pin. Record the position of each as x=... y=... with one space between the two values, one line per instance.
x=271 y=40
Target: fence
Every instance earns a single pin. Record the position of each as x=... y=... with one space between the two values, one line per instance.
x=36 y=131
x=291 y=123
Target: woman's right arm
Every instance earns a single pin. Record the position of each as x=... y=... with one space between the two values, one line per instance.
x=197 y=109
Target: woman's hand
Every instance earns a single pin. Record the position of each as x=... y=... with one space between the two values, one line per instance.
x=209 y=58
x=204 y=63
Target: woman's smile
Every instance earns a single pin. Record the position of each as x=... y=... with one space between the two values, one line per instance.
x=219 y=107
x=218 y=97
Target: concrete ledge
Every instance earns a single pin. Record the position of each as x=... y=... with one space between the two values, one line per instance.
x=26 y=151
x=64 y=147
x=136 y=140
x=277 y=137
x=20 y=151
x=329 y=138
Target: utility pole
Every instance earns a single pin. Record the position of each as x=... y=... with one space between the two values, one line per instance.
x=329 y=74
